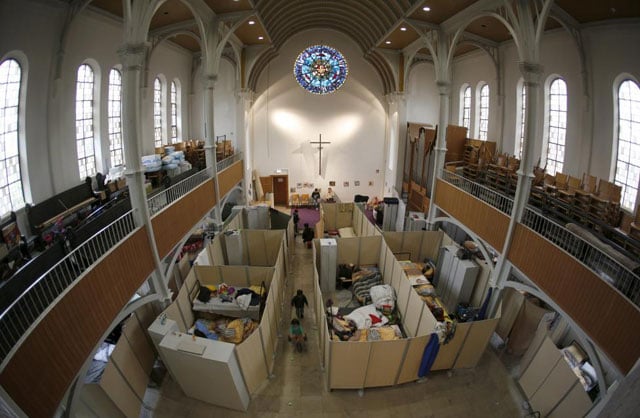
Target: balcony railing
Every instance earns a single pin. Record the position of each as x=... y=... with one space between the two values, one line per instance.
x=164 y=198
x=595 y=259
x=24 y=312
x=499 y=201
x=222 y=164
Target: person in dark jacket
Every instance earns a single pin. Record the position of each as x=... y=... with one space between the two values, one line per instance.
x=299 y=300
x=307 y=235
x=296 y=219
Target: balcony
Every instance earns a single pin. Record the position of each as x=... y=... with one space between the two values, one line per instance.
x=47 y=333
x=599 y=293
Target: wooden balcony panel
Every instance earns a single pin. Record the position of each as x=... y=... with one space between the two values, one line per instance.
x=486 y=221
x=229 y=177
x=597 y=307
x=46 y=363
x=177 y=219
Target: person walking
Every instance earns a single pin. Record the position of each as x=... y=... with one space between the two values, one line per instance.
x=299 y=300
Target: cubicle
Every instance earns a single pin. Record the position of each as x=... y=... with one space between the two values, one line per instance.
x=363 y=364
x=242 y=368
x=347 y=218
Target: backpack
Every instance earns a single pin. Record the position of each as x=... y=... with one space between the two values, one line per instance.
x=204 y=294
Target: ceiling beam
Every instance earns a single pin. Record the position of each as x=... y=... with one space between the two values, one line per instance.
x=464 y=16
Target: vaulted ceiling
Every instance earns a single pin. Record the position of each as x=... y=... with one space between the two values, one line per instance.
x=375 y=25
x=388 y=24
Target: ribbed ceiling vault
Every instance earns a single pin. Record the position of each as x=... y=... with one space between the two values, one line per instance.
x=364 y=21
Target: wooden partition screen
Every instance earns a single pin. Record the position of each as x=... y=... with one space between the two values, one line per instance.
x=486 y=221
x=596 y=306
x=229 y=177
x=46 y=363
x=176 y=220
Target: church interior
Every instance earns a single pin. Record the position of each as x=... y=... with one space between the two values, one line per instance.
x=452 y=185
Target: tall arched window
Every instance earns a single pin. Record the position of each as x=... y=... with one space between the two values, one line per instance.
x=174 y=112
x=466 y=108
x=557 y=123
x=628 y=152
x=157 y=112
x=11 y=192
x=523 y=116
x=483 y=126
x=114 y=117
x=84 y=121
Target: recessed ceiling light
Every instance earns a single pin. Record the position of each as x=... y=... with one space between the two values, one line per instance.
x=426 y=8
x=260 y=38
x=387 y=42
x=252 y=22
x=403 y=29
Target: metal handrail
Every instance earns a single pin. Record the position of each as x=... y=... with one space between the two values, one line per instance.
x=497 y=200
x=164 y=198
x=22 y=314
x=602 y=264
x=222 y=164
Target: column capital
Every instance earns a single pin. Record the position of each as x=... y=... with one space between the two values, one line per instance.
x=210 y=80
x=394 y=97
x=133 y=56
x=246 y=94
x=444 y=87
x=531 y=72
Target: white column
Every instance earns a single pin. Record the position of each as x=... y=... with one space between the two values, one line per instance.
x=245 y=123
x=531 y=73
x=444 y=87
x=133 y=58
x=396 y=120
x=209 y=139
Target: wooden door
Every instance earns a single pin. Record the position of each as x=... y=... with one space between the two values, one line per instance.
x=280 y=190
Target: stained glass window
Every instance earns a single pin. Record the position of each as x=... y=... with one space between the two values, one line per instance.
x=11 y=194
x=320 y=69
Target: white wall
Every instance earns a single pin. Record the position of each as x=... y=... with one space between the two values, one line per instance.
x=39 y=48
x=611 y=52
x=286 y=118
x=474 y=68
x=224 y=101
x=50 y=106
x=423 y=100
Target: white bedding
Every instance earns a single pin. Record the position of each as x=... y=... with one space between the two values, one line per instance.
x=233 y=309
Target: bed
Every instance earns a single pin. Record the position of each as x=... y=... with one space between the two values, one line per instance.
x=377 y=321
x=233 y=302
x=225 y=329
x=346 y=232
x=419 y=276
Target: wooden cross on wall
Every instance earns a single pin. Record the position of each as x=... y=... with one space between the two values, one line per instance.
x=320 y=144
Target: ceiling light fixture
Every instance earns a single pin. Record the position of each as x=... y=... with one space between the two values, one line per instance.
x=426 y=8
x=252 y=22
x=387 y=42
x=260 y=38
x=403 y=29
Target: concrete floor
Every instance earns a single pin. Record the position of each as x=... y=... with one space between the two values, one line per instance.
x=297 y=387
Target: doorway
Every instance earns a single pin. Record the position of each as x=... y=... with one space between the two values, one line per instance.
x=280 y=189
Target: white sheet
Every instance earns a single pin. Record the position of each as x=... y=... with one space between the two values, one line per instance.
x=362 y=317
x=216 y=305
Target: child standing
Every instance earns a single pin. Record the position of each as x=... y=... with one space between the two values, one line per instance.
x=299 y=300
x=296 y=334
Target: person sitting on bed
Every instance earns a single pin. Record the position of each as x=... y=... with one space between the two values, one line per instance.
x=296 y=332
